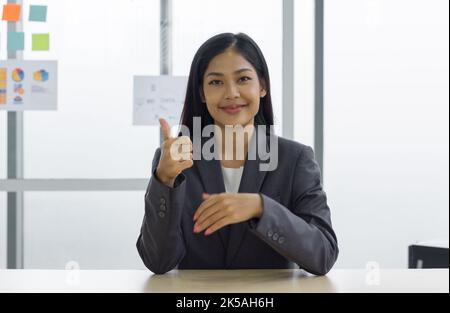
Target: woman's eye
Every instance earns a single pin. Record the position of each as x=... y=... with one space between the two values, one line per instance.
x=215 y=82
x=245 y=78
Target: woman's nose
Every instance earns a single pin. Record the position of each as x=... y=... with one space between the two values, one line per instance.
x=232 y=91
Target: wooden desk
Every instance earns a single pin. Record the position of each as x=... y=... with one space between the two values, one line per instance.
x=204 y=281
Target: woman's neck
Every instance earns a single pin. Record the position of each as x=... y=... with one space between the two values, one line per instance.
x=233 y=144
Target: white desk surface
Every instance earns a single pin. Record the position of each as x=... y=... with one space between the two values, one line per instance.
x=207 y=281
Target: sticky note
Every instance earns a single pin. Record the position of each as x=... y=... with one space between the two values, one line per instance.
x=38 y=13
x=41 y=42
x=11 y=12
x=16 y=41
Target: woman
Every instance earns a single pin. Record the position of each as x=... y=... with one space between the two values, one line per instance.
x=226 y=212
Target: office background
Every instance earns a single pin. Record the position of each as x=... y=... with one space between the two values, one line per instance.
x=385 y=130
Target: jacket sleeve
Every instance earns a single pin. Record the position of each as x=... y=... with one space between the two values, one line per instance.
x=302 y=233
x=161 y=244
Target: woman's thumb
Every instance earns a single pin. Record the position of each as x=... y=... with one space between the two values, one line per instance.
x=165 y=128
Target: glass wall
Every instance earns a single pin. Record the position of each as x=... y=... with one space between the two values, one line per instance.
x=3 y=144
x=98 y=51
x=3 y=114
x=91 y=135
x=386 y=126
x=304 y=72
x=97 y=230
x=2 y=230
x=3 y=157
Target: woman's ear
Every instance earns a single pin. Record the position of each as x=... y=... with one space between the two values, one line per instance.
x=263 y=93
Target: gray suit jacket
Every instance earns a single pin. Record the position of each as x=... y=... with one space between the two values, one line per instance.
x=295 y=228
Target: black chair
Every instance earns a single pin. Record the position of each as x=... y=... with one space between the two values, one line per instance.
x=428 y=255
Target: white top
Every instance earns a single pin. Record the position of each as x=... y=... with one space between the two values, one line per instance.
x=232 y=178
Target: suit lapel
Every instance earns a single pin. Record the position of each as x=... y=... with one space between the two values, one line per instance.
x=211 y=175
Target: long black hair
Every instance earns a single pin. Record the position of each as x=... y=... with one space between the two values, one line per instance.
x=247 y=47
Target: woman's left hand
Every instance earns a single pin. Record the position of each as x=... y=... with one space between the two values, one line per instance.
x=223 y=209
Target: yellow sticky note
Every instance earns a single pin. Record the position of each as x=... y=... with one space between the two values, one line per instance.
x=11 y=12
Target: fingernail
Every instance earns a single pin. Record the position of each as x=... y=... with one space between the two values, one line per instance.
x=207 y=232
x=196 y=228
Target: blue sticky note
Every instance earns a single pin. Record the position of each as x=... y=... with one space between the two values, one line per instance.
x=16 y=41
x=38 y=13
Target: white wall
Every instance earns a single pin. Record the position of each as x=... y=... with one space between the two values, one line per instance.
x=386 y=126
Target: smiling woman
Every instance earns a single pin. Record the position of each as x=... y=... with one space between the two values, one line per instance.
x=279 y=217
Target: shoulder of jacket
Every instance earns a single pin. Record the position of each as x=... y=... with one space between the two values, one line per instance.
x=291 y=146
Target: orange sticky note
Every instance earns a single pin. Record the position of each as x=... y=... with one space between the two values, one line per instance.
x=11 y=12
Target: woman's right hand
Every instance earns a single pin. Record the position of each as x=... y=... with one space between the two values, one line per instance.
x=176 y=156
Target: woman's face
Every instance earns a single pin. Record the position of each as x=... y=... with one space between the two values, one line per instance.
x=232 y=90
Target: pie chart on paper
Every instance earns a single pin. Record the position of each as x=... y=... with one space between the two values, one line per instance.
x=18 y=75
x=41 y=76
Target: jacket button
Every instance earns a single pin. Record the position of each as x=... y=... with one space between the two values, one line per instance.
x=275 y=236
x=162 y=207
x=281 y=240
x=162 y=201
x=270 y=233
x=161 y=214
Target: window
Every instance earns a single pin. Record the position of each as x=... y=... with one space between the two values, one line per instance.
x=386 y=126
x=304 y=72
x=98 y=51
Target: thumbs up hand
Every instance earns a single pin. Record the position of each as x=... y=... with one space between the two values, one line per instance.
x=176 y=156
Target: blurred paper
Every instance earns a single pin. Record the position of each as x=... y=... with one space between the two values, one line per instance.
x=158 y=97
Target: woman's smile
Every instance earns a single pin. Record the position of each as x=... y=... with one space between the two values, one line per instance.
x=233 y=109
